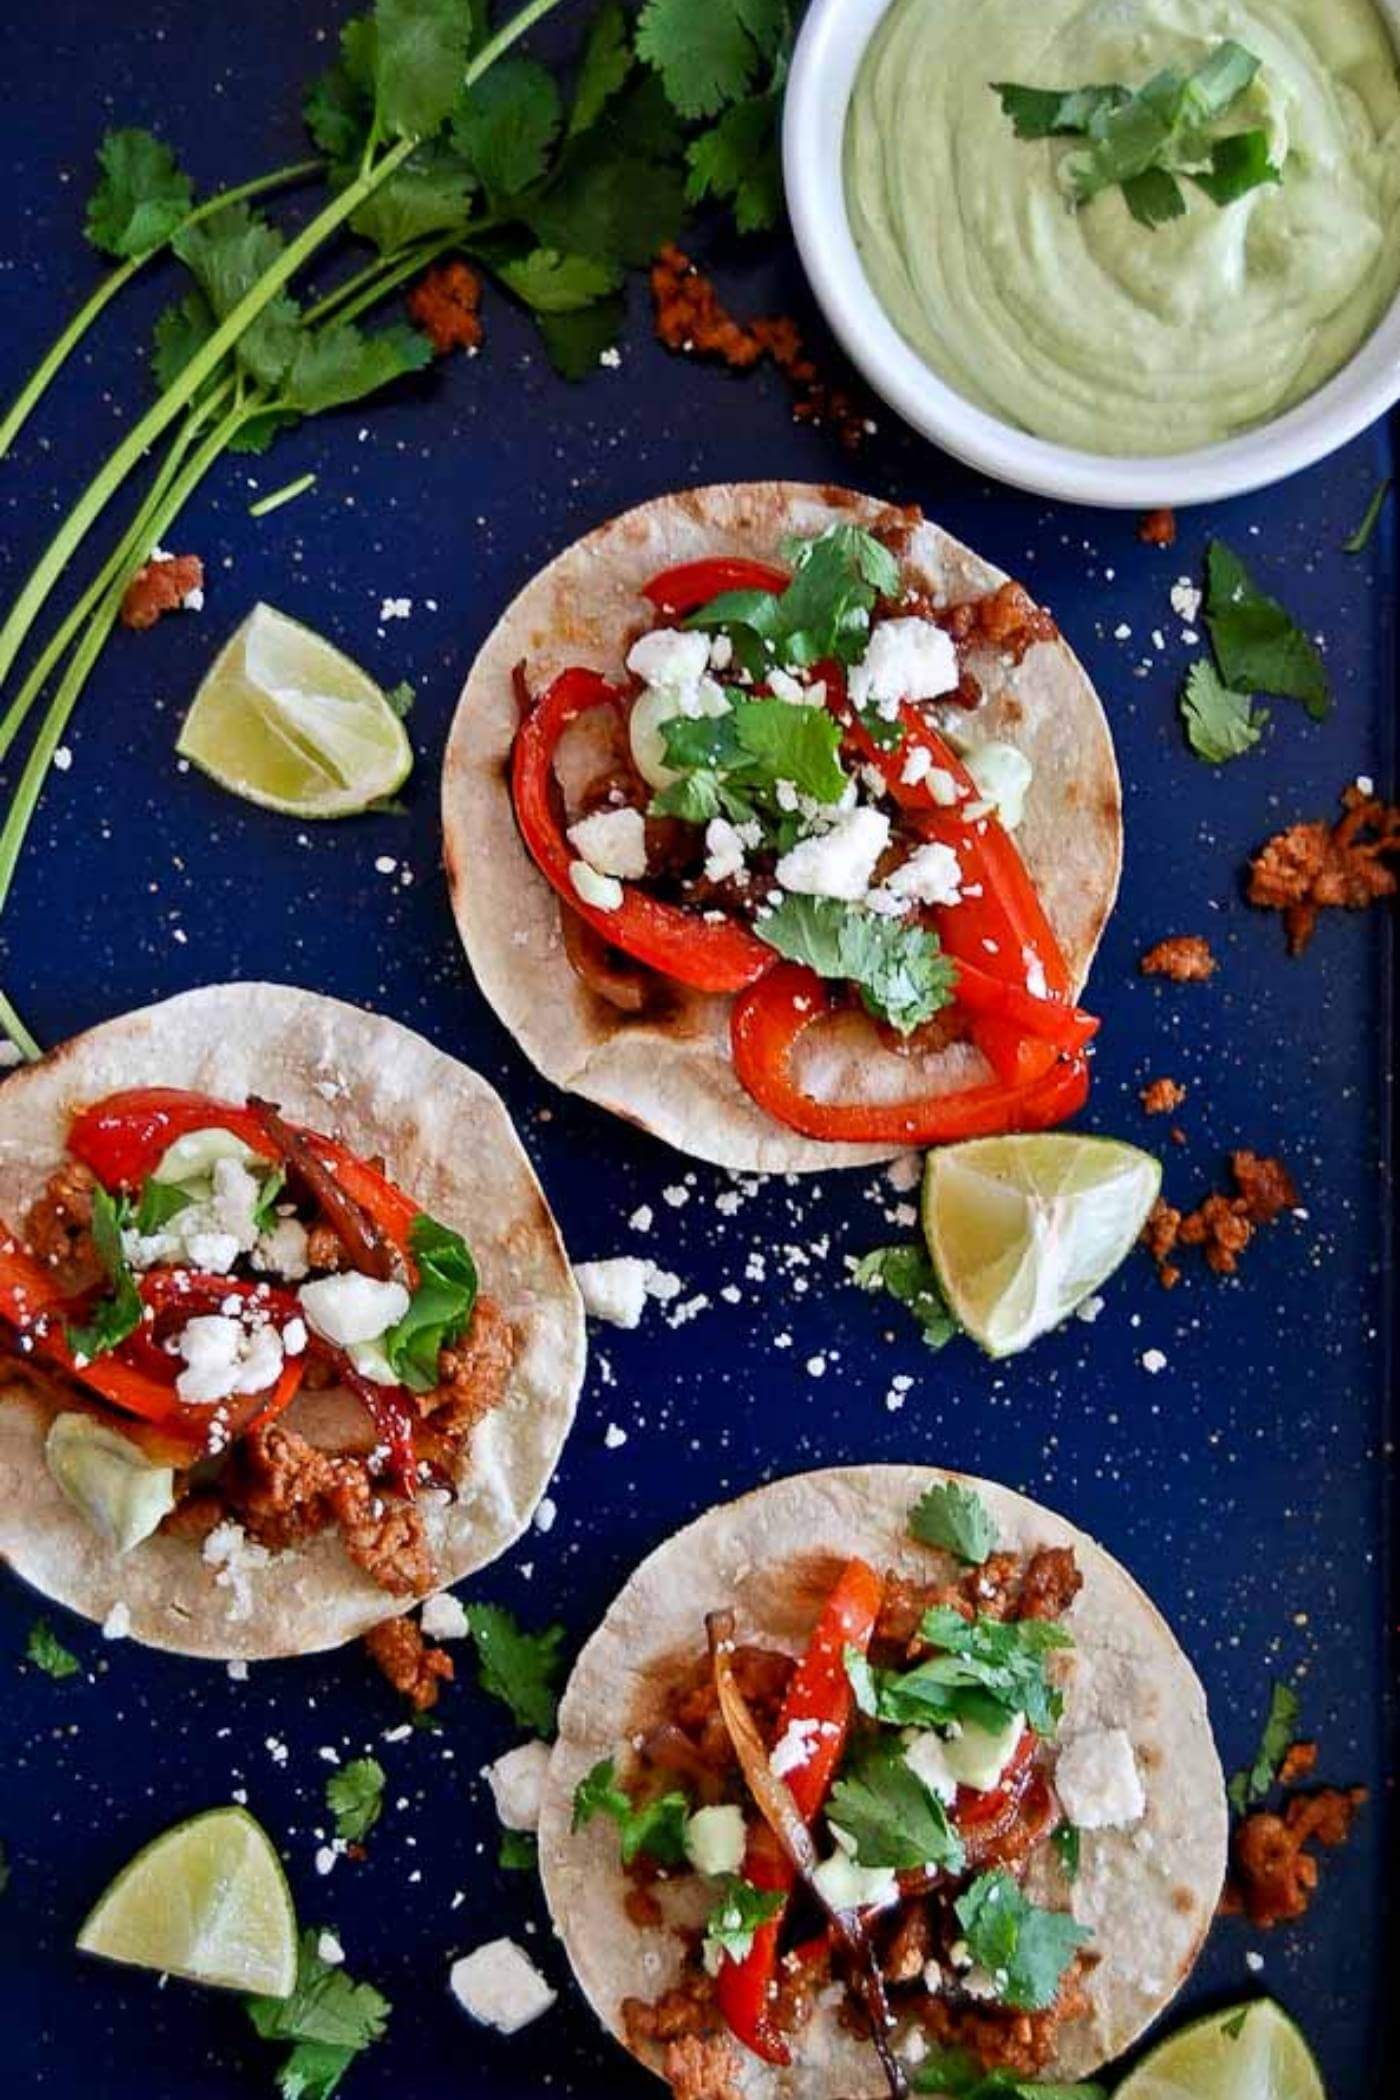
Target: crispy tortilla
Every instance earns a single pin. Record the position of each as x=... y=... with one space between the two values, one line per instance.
x=449 y=1143
x=1148 y=1893
x=667 y=1068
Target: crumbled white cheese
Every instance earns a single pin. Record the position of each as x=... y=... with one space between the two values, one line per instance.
x=613 y=841
x=843 y=1885
x=725 y=847
x=214 y=1228
x=603 y=892
x=715 y=1840
x=904 y=660
x=444 y=1618
x=794 y=1747
x=235 y=1559
x=617 y=1290
x=1097 y=1780
x=670 y=658
x=931 y=875
x=517 y=1782
x=1187 y=599
x=223 y=1357
x=117 y=1624
x=838 y=862
x=281 y=1250
x=352 y=1308
x=500 y=1986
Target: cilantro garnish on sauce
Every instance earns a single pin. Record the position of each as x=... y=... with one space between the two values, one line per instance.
x=1024 y=1949
x=1147 y=142
x=890 y=1816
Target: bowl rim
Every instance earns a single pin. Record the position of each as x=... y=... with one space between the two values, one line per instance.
x=826 y=59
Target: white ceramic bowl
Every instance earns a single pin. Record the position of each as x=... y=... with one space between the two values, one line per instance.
x=825 y=63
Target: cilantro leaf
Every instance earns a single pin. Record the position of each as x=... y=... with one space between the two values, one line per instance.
x=709 y=55
x=1238 y=164
x=343 y=363
x=890 y=1815
x=899 y=968
x=1024 y=1949
x=440 y=1308
x=838 y=577
x=227 y=255
x=737 y=160
x=552 y=283
x=118 y=1313
x=1365 y=532
x=519 y=1851
x=656 y=1827
x=160 y=1202
x=47 y=1653
x=736 y=1917
x=1260 y=648
x=430 y=193
x=328 y=2018
x=521 y=1669
x=987 y=1670
x=184 y=327
x=607 y=199
x=355 y=1797
x=907 y=1274
x=420 y=55
x=605 y=64
x=1154 y=197
x=508 y=124
x=576 y=341
x=339 y=105
x=142 y=195
x=955 y=1519
x=1253 y=1781
x=1220 y=724
x=1043 y=113
x=1065 y=1838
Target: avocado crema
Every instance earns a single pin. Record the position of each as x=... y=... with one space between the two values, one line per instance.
x=1080 y=324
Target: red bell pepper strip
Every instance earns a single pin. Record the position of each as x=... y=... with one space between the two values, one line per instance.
x=691 y=584
x=1000 y=928
x=666 y=937
x=819 y=1692
x=767 y=1025
x=979 y=1809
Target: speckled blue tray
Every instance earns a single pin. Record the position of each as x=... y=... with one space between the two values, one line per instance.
x=1245 y=1483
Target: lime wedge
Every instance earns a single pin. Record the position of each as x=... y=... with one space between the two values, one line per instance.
x=207 y=1900
x=285 y=720
x=1023 y=1229
x=1253 y=2052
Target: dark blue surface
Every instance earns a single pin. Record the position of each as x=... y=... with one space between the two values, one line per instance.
x=1245 y=1483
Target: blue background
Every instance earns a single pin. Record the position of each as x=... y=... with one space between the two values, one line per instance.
x=1245 y=1484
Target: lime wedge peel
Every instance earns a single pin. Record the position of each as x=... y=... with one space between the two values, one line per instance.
x=207 y=1901
x=1247 y=2052
x=285 y=720
x=1021 y=1230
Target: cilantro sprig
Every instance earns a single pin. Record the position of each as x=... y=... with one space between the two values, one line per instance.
x=655 y=1827
x=1147 y=142
x=839 y=576
x=355 y=1797
x=47 y=1653
x=905 y=1273
x=1258 y=647
x=958 y=2075
x=725 y=61
x=1253 y=1781
x=117 y=1313
x=732 y=764
x=897 y=966
x=890 y=1816
x=736 y=1917
x=1024 y=1949
x=328 y=2021
x=520 y=1669
x=954 y=1519
x=986 y=1671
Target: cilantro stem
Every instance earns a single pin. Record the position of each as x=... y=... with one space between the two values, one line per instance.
x=154 y=520
x=139 y=537
x=19 y=1035
x=182 y=390
x=288 y=493
x=509 y=33
x=63 y=346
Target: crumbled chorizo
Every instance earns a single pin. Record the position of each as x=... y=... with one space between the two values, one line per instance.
x=687 y=2009
x=1002 y=2039
x=1318 y=867
x=1299 y=1762
x=1184 y=957
x=444 y=305
x=1009 y=619
x=1052 y=1582
x=691 y=317
x=702 y=2067
x=323 y=1248
x=162 y=585
x=411 y=1665
x=1223 y=1225
x=285 y=1490
x=1160 y=1096
x=1273 y=1875
x=474 y=1374
x=383 y=1536
x=58 y=1228
x=1157 y=528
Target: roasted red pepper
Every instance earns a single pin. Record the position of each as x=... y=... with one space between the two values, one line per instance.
x=768 y=1024
x=819 y=1692
x=691 y=584
x=711 y=958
